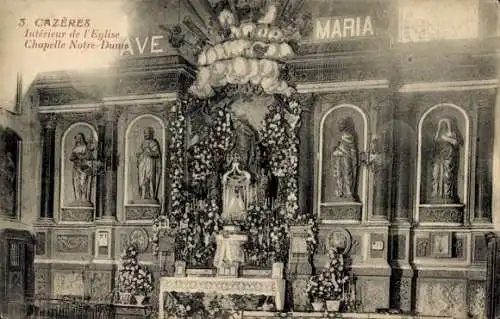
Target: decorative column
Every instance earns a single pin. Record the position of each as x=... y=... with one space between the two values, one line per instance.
x=48 y=162
x=107 y=181
x=306 y=154
x=380 y=188
x=483 y=171
x=379 y=159
x=100 y=180
x=402 y=173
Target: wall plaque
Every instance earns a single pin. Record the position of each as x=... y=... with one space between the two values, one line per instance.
x=339 y=238
x=140 y=238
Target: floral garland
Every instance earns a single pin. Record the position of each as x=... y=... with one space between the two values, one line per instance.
x=206 y=154
x=280 y=137
x=202 y=244
x=207 y=157
x=292 y=203
x=176 y=172
x=257 y=247
x=176 y=151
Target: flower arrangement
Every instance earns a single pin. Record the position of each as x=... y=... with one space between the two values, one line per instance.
x=183 y=305
x=200 y=305
x=330 y=283
x=256 y=248
x=133 y=277
x=312 y=236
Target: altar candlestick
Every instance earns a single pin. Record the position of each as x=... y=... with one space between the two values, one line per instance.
x=354 y=290
x=161 y=265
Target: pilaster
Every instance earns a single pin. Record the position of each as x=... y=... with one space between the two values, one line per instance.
x=48 y=163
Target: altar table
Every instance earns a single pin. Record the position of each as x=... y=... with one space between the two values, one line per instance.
x=224 y=286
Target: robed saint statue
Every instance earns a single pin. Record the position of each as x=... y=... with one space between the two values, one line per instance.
x=344 y=159
x=149 y=167
x=445 y=163
x=85 y=167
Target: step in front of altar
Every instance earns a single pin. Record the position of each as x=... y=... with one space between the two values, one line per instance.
x=299 y=315
x=267 y=314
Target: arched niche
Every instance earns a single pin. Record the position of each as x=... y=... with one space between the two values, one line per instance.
x=10 y=172
x=442 y=163
x=77 y=171
x=343 y=139
x=144 y=161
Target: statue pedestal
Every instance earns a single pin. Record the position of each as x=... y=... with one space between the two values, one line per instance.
x=229 y=253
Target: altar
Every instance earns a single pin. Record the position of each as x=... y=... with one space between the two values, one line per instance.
x=236 y=182
x=282 y=158
x=274 y=287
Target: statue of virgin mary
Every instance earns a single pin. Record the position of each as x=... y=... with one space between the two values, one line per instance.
x=236 y=184
x=345 y=161
x=445 y=163
x=84 y=166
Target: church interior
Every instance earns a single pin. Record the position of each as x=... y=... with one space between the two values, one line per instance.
x=262 y=158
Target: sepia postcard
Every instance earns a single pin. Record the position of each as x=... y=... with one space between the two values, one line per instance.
x=250 y=159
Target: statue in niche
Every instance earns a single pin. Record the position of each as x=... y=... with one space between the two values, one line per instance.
x=244 y=147
x=84 y=165
x=149 y=167
x=445 y=163
x=345 y=161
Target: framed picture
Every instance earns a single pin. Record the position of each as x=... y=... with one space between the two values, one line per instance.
x=103 y=239
x=441 y=245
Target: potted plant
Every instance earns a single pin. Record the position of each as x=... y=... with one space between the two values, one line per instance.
x=336 y=274
x=316 y=290
x=329 y=284
x=126 y=270
x=133 y=278
x=142 y=284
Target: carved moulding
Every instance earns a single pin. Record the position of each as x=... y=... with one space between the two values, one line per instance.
x=422 y=247
x=77 y=214
x=441 y=214
x=141 y=212
x=76 y=244
x=351 y=212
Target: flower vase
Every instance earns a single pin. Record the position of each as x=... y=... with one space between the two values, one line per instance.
x=333 y=305
x=125 y=298
x=139 y=299
x=317 y=305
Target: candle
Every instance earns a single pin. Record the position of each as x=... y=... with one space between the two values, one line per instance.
x=161 y=265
